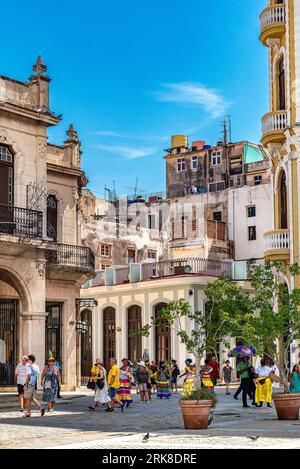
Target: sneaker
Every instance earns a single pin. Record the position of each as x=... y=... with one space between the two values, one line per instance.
x=235 y=397
x=109 y=410
x=21 y=410
x=91 y=407
x=42 y=412
x=26 y=415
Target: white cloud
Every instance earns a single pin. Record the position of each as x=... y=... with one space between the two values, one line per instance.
x=195 y=94
x=128 y=135
x=130 y=153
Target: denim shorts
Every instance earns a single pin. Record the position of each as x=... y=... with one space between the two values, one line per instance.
x=112 y=392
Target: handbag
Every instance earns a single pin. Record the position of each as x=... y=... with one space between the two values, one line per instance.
x=274 y=378
x=100 y=383
x=91 y=385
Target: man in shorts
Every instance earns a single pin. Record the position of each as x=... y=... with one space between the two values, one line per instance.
x=30 y=386
x=113 y=383
x=21 y=374
x=143 y=379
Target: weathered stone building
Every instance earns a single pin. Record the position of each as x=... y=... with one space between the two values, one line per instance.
x=42 y=262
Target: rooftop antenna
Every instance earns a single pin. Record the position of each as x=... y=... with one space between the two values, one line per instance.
x=135 y=188
x=226 y=129
x=112 y=196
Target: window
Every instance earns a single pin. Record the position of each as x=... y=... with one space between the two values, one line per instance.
x=104 y=266
x=252 y=233
x=251 y=211
x=5 y=154
x=105 y=250
x=281 y=85
x=152 y=255
x=151 y=222
x=194 y=162
x=181 y=164
x=257 y=180
x=131 y=256
x=216 y=158
x=217 y=216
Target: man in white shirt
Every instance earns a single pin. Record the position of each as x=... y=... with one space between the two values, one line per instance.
x=22 y=370
x=30 y=386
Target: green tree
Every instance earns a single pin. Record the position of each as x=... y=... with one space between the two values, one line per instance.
x=272 y=323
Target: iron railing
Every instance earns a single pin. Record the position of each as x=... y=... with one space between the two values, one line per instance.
x=80 y=257
x=21 y=222
x=187 y=266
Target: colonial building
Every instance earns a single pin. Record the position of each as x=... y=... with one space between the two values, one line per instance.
x=42 y=262
x=280 y=33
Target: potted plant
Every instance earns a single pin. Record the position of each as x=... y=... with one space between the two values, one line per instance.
x=272 y=326
x=210 y=328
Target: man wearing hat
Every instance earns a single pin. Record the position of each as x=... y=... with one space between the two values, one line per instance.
x=143 y=378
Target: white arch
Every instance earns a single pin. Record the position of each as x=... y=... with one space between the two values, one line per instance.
x=12 y=278
x=281 y=166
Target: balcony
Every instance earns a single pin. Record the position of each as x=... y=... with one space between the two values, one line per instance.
x=274 y=125
x=277 y=245
x=23 y=222
x=272 y=23
x=75 y=260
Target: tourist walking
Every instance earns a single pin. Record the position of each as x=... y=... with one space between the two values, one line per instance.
x=125 y=377
x=215 y=374
x=206 y=371
x=50 y=381
x=22 y=370
x=189 y=378
x=294 y=380
x=98 y=375
x=263 y=391
x=243 y=374
x=162 y=382
x=143 y=378
x=227 y=376
x=30 y=387
x=174 y=376
x=113 y=383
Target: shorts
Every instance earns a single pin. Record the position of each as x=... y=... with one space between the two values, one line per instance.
x=29 y=392
x=20 y=389
x=112 y=392
x=143 y=387
x=174 y=379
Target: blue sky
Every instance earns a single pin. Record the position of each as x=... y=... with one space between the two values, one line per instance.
x=130 y=73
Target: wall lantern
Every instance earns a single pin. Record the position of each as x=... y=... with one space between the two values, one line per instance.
x=81 y=327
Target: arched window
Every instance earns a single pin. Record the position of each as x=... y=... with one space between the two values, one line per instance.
x=52 y=217
x=162 y=337
x=283 y=219
x=281 y=85
x=6 y=177
x=109 y=334
x=134 y=324
x=86 y=345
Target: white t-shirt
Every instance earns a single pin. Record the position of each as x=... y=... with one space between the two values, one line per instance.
x=22 y=371
x=263 y=371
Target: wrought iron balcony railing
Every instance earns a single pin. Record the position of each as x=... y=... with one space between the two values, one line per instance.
x=80 y=257
x=21 y=222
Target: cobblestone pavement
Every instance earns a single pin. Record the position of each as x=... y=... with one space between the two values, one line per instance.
x=73 y=425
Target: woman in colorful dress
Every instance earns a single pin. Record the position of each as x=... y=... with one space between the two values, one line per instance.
x=263 y=392
x=205 y=372
x=125 y=378
x=294 y=380
x=50 y=380
x=189 y=380
x=227 y=375
x=163 y=381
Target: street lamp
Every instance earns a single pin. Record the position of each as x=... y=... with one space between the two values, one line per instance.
x=81 y=327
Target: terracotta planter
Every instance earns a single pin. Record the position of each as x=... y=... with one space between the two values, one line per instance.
x=287 y=406
x=195 y=413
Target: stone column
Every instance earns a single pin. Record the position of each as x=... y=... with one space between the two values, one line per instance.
x=33 y=336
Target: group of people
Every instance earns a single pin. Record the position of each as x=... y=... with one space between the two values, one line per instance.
x=114 y=389
x=258 y=383
x=27 y=375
